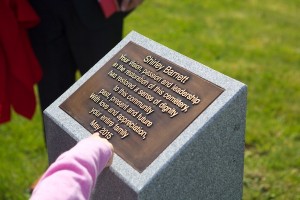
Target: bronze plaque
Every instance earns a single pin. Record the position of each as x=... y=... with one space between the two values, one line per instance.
x=140 y=102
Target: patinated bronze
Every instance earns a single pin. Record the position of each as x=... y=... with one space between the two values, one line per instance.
x=140 y=102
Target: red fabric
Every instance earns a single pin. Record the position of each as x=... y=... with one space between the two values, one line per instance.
x=109 y=7
x=19 y=68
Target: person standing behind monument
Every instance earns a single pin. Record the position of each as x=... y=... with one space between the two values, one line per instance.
x=73 y=175
x=19 y=67
x=73 y=35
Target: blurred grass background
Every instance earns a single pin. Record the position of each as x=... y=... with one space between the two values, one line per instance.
x=255 y=42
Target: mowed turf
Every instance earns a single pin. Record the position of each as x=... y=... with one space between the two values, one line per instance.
x=255 y=42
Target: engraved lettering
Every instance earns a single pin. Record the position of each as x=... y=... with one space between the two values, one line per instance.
x=104 y=93
x=140 y=104
x=116 y=88
x=156 y=101
x=165 y=108
x=133 y=126
x=151 y=86
x=136 y=66
x=107 y=120
x=95 y=125
x=96 y=98
x=112 y=74
x=115 y=65
x=145 y=95
x=184 y=107
x=137 y=95
x=144 y=120
x=119 y=103
x=121 y=68
x=103 y=105
x=152 y=75
x=124 y=59
x=132 y=112
x=166 y=83
x=123 y=92
x=136 y=77
x=113 y=111
x=158 y=90
x=176 y=75
x=125 y=82
x=95 y=112
x=154 y=63
x=193 y=98
x=106 y=133
x=121 y=131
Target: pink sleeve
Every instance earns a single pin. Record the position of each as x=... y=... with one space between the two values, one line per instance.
x=73 y=175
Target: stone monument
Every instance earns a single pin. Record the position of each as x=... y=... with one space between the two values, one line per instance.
x=177 y=126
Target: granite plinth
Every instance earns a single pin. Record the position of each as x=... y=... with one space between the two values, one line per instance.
x=205 y=161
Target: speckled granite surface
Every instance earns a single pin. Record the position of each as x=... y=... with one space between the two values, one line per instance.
x=205 y=162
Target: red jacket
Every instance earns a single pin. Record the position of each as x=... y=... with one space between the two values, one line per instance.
x=19 y=68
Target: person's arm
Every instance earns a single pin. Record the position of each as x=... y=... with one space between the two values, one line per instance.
x=73 y=175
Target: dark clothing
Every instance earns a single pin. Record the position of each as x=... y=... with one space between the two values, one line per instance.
x=73 y=34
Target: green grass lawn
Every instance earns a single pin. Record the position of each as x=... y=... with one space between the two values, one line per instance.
x=256 y=42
